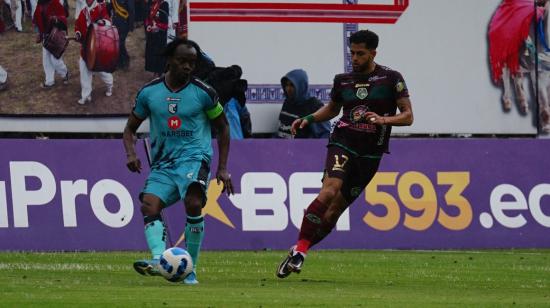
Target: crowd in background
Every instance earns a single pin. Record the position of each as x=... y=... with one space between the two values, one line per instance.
x=162 y=21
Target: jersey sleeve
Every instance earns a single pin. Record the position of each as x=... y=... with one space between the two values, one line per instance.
x=335 y=93
x=210 y=100
x=213 y=108
x=141 y=108
x=400 y=87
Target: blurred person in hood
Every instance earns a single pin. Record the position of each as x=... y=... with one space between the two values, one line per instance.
x=298 y=103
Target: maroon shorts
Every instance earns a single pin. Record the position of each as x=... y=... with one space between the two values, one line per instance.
x=355 y=172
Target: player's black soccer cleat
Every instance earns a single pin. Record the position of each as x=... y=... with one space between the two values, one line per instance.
x=292 y=263
x=296 y=262
x=147 y=267
x=282 y=270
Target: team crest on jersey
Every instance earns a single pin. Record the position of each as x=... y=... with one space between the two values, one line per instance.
x=174 y=122
x=172 y=108
x=362 y=93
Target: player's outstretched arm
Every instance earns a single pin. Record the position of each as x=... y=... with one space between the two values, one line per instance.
x=404 y=118
x=222 y=175
x=129 y=137
x=324 y=113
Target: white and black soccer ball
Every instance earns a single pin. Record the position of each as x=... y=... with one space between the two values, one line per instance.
x=175 y=264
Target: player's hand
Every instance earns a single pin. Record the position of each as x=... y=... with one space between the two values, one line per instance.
x=38 y=38
x=223 y=176
x=77 y=36
x=134 y=164
x=298 y=124
x=373 y=118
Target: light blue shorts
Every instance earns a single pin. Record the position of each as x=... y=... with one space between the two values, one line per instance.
x=170 y=184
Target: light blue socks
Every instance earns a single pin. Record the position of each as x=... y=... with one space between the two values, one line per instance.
x=155 y=234
x=194 y=234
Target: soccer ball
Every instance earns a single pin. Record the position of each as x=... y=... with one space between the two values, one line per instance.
x=175 y=264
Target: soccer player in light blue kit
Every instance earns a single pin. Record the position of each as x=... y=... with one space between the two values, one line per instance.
x=180 y=109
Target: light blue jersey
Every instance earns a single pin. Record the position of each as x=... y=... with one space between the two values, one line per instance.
x=179 y=121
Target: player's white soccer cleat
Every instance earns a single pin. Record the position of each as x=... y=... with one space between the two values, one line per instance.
x=147 y=267
x=292 y=263
x=191 y=279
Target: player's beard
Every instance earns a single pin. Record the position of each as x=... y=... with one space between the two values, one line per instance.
x=180 y=74
x=183 y=77
x=363 y=68
x=177 y=79
x=360 y=68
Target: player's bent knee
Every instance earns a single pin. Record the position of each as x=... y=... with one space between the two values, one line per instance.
x=194 y=200
x=327 y=194
x=193 y=205
x=149 y=209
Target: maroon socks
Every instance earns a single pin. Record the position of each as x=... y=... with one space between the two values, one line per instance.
x=311 y=231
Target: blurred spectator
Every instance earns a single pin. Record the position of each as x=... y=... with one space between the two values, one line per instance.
x=139 y=11
x=2 y=23
x=231 y=90
x=94 y=11
x=31 y=7
x=205 y=65
x=65 y=4
x=173 y=17
x=121 y=20
x=16 y=13
x=3 y=79
x=79 y=5
x=49 y=14
x=298 y=103
x=156 y=26
x=181 y=24
x=6 y=18
x=233 y=110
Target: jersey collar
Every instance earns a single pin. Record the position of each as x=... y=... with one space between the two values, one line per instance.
x=178 y=90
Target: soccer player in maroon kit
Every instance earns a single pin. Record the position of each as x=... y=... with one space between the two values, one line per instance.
x=369 y=98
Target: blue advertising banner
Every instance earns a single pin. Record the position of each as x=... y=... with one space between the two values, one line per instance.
x=428 y=194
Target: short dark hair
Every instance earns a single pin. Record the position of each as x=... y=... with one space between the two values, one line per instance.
x=367 y=37
x=203 y=64
x=173 y=45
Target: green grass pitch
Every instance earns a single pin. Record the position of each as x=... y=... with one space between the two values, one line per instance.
x=330 y=278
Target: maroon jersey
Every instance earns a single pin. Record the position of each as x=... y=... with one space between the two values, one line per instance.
x=358 y=93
